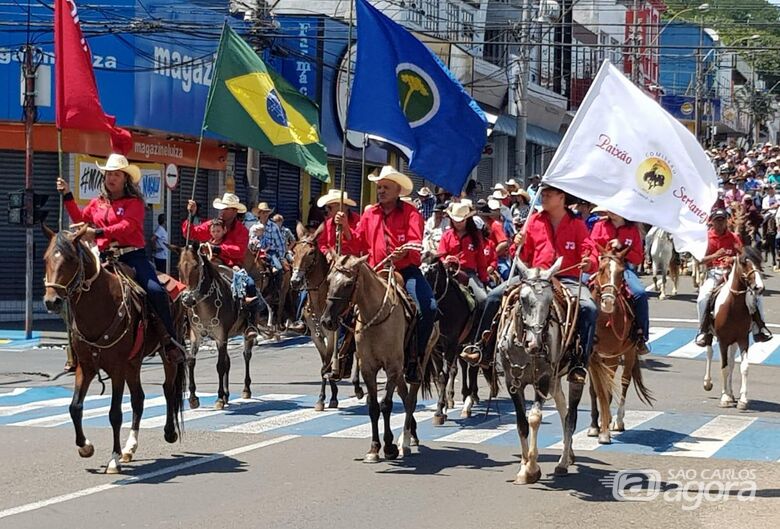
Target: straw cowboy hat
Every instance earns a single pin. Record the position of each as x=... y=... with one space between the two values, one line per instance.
x=391 y=173
x=229 y=200
x=520 y=192
x=458 y=211
x=424 y=191
x=333 y=196
x=499 y=194
x=511 y=183
x=262 y=206
x=117 y=162
x=467 y=201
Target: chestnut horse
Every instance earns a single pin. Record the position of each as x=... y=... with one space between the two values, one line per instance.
x=310 y=273
x=614 y=341
x=111 y=329
x=732 y=321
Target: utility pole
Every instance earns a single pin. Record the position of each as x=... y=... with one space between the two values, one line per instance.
x=635 y=42
x=521 y=91
x=29 y=70
x=697 y=97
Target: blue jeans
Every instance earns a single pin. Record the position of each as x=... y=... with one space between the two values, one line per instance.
x=420 y=291
x=504 y=265
x=146 y=276
x=639 y=297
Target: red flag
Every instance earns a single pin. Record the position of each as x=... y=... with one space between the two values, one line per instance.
x=77 y=102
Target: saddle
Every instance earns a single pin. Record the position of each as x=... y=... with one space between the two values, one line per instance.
x=407 y=303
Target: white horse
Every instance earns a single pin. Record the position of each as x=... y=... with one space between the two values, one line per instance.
x=661 y=252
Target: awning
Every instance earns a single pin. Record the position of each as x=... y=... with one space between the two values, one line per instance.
x=506 y=124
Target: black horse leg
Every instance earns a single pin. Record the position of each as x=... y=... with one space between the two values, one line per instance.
x=83 y=378
x=320 y=404
x=386 y=406
x=440 y=368
x=247 y=393
x=194 y=346
x=356 y=378
x=593 y=431
x=373 y=412
x=115 y=417
x=334 y=395
x=137 y=403
x=223 y=365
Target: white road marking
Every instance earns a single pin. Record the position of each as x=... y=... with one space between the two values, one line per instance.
x=7 y=411
x=632 y=419
x=363 y=431
x=64 y=418
x=288 y=419
x=14 y=392
x=656 y=333
x=149 y=475
x=480 y=435
x=689 y=350
x=711 y=437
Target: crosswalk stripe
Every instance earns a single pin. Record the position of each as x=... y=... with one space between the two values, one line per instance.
x=14 y=392
x=7 y=411
x=288 y=419
x=632 y=419
x=480 y=435
x=64 y=418
x=711 y=437
x=688 y=350
x=363 y=431
x=656 y=333
x=759 y=352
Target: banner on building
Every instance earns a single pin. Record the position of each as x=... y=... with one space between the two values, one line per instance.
x=88 y=180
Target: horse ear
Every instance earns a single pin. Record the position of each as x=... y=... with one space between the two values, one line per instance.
x=521 y=268
x=600 y=248
x=47 y=231
x=554 y=268
x=300 y=230
x=80 y=232
x=361 y=260
x=622 y=253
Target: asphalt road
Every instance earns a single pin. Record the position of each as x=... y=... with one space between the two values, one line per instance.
x=271 y=461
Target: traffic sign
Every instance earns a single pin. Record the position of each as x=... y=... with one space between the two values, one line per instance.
x=171 y=176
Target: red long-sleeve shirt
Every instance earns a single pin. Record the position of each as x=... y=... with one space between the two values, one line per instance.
x=628 y=235
x=470 y=255
x=122 y=220
x=233 y=246
x=571 y=240
x=729 y=241
x=327 y=239
x=379 y=234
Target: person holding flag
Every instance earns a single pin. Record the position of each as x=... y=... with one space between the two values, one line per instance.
x=389 y=231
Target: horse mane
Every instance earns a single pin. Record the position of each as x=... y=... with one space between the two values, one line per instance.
x=64 y=245
x=749 y=253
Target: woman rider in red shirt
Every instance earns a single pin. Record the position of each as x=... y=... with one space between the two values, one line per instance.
x=116 y=219
x=462 y=244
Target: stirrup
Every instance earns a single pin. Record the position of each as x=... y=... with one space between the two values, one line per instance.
x=703 y=339
x=472 y=354
x=577 y=374
x=763 y=335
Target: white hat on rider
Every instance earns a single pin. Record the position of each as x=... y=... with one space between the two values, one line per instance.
x=117 y=162
x=229 y=200
x=334 y=196
x=391 y=173
x=458 y=211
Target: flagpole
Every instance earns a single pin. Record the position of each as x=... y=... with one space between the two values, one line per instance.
x=342 y=184
x=190 y=217
x=59 y=161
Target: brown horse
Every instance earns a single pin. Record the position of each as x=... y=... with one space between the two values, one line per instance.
x=213 y=312
x=112 y=330
x=310 y=273
x=382 y=332
x=277 y=296
x=732 y=321
x=614 y=341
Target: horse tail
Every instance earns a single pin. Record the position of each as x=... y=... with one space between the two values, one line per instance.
x=642 y=391
x=602 y=379
x=179 y=386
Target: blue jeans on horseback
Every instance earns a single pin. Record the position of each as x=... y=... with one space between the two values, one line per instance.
x=422 y=294
x=641 y=305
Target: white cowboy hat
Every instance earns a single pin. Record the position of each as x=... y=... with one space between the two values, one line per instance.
x=424 y=191
x=520 y=192
x=229 y=200
x=390 y=173
x=511 y=183
x=458 y=211
x=494 y=204
x=117 y=162
x=334 y=195
x=468 y=202
x=499 y=194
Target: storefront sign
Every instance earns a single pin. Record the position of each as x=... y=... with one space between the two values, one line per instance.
x=88 y=180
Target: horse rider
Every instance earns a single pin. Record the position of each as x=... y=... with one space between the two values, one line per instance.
x=231 y=250
x=491 y=214
x=617 y=232
x=554 y=232
x=271 y=240
x=116 y=219
x=462 y=245
x=333 y=203
x=384 y=229
x=723 y=246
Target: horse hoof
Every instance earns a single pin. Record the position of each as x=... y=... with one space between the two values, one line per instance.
x=605 y=439
x=465 y=414
x=113 y=466
x=359 y=393
x=246 y=394
x=126 y=457
x=561 y=471
x=742 y=405
x=708 y=386
x=617 y=427
x=391 y=452
x=319 y=406
x=438 y=420
x=88 y=450
x=450 y=404
x=219 y=404
x=726 y=404
x=334 y=404
x=593 y=431
x=415 y=441
x=194 y=403
x=171 y=437
x=528 y=479
x=371 y=458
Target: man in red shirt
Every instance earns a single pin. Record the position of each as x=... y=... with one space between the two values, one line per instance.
x=722 y=248
x=384 y=228
x=233 y=248
x=327 y=240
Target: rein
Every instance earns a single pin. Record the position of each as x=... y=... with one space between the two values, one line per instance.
x=309 y=268
x=375 y=319
x=77 y=281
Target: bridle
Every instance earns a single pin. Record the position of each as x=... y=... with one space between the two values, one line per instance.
x=77 y=284
x=614 y=290
x=309 y=267
x=376 y=319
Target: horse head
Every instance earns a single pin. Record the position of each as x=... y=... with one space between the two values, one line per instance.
x=608 y=281
x=306 y=256
x=749 y=267
x=64 y=266
x=342 y=285
x=536 y=299
x=192 y=271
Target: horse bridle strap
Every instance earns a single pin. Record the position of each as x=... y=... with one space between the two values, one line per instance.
x=77 y=281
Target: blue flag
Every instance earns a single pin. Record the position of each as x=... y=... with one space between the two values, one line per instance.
x=403 y=93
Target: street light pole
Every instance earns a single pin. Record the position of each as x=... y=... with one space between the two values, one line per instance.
x=29 y=70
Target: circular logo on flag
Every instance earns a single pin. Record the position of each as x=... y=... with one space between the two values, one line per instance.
x=686 y=108
x=417 y=94
x=275 y=109
x=654 y=175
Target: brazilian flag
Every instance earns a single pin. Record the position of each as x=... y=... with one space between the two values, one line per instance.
x=253 y=105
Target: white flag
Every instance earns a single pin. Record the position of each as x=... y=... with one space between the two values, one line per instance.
x=625 y=153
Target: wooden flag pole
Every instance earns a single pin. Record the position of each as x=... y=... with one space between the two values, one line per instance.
x=342 y=184
x=71 y=360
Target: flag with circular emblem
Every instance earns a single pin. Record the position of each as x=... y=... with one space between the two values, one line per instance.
x=253 y=105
